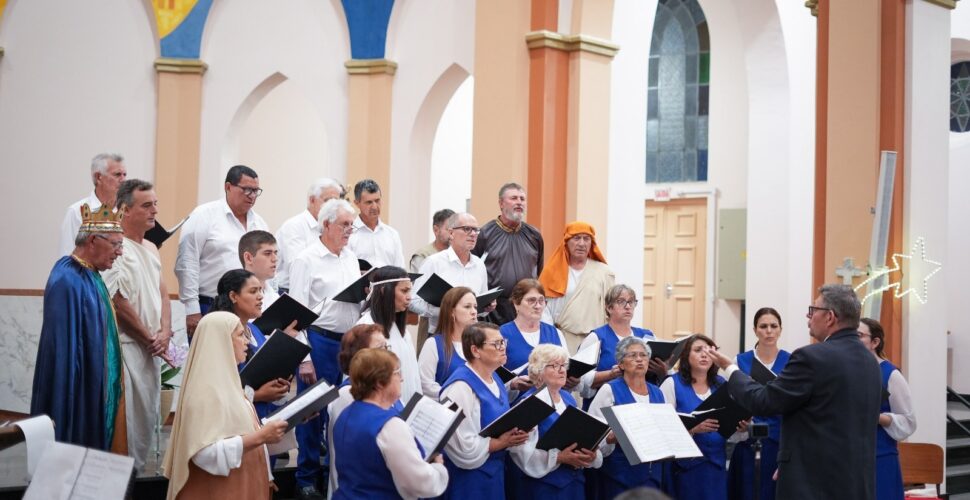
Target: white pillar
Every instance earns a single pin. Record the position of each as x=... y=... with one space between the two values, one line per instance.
x=926 y=160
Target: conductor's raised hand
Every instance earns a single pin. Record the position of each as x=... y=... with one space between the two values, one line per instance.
x=718 y=358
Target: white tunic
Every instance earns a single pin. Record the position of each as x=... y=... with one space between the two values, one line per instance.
x=403 y=347
x=297 y=233
x=449 y=268
x=208 y=247
x=380 y=246
x=317 y=275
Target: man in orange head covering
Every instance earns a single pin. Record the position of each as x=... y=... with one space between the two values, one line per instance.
x=576 y=279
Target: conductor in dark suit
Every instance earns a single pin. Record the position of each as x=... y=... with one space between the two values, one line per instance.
x=828 y=395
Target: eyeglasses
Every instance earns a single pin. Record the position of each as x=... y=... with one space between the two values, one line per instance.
x=114 y=244
x=812 y=309
x=250 y=192
x=498 y=344
x=861 y=335
x=624 y=303
x=532 y=301
x=347 y=227
x=558 y=366
x=469 y=229
x=636 y=355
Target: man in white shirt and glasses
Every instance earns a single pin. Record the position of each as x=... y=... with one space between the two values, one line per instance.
x=301 y=230
x=107 y=173
x=209 y=243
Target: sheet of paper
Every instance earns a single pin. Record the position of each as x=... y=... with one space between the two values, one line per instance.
x=589 y=355
x=286 y=444
x=301 y=402
x=39 y=433
x=56 y=472
x=672 y=432
x=429 y=421
x=103 y=476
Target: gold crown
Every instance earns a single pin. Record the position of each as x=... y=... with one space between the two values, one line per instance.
x=103 y=220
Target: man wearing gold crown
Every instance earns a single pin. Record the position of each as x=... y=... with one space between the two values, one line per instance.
x=77 y=377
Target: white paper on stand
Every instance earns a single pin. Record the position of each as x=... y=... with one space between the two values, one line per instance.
x=73 y=472
x=38 y=433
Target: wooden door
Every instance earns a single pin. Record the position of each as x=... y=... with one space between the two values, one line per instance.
x=674 y=271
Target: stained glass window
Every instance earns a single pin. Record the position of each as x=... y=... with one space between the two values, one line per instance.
x=960 y=97
x=677 y=93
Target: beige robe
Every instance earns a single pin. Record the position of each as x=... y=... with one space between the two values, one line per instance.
x=584 y=309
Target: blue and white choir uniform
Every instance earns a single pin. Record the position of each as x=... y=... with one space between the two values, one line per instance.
x=899 y=407
x=475 y=474
x=702 y=478
x=378 y=457
x=520 y=344
x=617 y=475
x=608 y=340
x=535 y=472
x=741 y=472
x=432 y=366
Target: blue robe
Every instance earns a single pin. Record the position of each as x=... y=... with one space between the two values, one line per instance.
x=77 y=376
x=702 y=478
x=741 y=471
x=518 y=350
x=889 y=476
x=616 y=474
x=608 y=341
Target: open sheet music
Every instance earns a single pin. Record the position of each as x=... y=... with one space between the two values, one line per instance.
x=649 y=432
x=312 y=400
x=431 y=422
x=584 y=360
x=69 y=471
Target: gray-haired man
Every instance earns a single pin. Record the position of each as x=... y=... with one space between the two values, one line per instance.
x=107 y=173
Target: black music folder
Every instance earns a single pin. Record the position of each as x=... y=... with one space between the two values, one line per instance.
x=487 y=297
x=584 y=360
x=356 y=292
x=666 y=350
x=364 y=265
x=281 y=313
x=574 y=426
x=159 y=234
x=761 y=373
x=279 y=357
x=731 y=412
x=313 y=400
x=695 y=417
x=431 y=422
x=434 y=289
x=523 y=416
x=505 y=374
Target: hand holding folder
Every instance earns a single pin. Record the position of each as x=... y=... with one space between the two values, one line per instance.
x=278 y=358
x=283 y=312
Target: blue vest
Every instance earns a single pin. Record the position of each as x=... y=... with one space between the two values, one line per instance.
x=443 y=371
x=745 y=359
x=608 y=343
x=490 y=408
x=711 y=444
x=363 y=474
x=617 y=466
x=885 y=445
x=263 y=408
x=564 y=475
x=517 y=349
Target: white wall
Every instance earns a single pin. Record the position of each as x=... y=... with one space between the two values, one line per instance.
x=433 y=43
x=246 y=43
x=451 y=156
x=76 y=80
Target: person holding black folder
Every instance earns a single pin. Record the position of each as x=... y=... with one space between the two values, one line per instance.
x=387 y=305
x=621 y=301
x=377 y=456
x=554 y=473
x=527 y=330
x=355 y=340
x=703 y=478
x=443 y=354
x=217 y=443
x=767 y=327
x=617 y=475
x=476 y=465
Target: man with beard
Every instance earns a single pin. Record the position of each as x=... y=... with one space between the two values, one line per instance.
x=512 y=250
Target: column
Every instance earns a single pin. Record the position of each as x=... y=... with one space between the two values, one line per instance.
x=369 y=86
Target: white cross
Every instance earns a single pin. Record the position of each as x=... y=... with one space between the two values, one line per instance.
x=848 y=271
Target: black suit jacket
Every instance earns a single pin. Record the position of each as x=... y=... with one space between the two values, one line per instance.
x=828 y=395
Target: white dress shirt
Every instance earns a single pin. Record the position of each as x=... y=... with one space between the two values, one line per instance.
x=317 y=275
x=413 y=476
x=72 y=222
x=449 y=268
x=270 y=295
x=297 y=233
x=428 y=366
x=403 y=347
x=380 y=246
x=902 y=417
x=208 y=247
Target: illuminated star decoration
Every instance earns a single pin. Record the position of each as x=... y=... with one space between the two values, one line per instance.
x=919 y=265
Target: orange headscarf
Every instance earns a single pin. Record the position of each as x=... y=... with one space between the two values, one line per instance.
x=555 y=273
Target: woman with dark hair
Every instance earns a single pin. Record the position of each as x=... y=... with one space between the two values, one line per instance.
x=702 y=478
x=377 y=455
x=442 y=355
x=356 y=339
x=476 y=464
x=632 y=356
x=767 y=328
x=527 y=330
x=897 y=421
x=241 y=293
x=387 y=305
